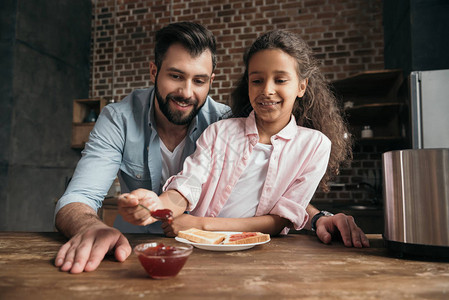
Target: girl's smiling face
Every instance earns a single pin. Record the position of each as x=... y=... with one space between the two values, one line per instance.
x=274 y=85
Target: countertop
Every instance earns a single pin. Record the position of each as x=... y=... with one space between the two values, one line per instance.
x=296 y=266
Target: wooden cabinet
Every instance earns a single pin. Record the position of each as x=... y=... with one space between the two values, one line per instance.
x=109 y=211
x=375 y=99
x=81 y=127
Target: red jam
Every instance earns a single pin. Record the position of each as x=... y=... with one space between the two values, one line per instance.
x=162 y=214
x=239 y=236
x=163 y=261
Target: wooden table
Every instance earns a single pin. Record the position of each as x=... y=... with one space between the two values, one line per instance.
x=296 y=266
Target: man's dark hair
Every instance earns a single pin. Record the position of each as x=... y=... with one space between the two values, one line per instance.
x=192 y=36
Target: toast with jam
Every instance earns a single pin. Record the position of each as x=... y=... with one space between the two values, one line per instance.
x=215 y=238
x=246 y=238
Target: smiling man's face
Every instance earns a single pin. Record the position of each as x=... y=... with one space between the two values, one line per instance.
x=182 y=83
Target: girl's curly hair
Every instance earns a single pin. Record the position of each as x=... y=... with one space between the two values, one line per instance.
x=317 y=109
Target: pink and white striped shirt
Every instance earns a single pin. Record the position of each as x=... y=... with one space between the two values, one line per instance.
x=297 y=163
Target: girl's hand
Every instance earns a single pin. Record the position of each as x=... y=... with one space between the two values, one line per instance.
x=131 y=211
x=182 y=222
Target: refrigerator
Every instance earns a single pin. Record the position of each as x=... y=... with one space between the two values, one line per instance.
x=429 y=96
x=416 y=193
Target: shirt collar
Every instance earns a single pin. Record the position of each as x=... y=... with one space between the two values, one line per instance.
x=287 y=133
x=152 y=119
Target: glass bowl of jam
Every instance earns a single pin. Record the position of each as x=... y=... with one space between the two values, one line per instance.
x=162 y=261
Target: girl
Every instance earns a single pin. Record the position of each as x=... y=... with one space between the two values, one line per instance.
x=258 y=171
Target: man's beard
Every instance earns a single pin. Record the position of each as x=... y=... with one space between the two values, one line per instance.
x=176 y=117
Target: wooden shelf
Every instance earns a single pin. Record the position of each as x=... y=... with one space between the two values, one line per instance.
x=109 y=211
x=387 y=143
x=378 y=85
x=375 y=100
x=80 y=134
x=81 y=129
x=82 y=107
x=374 y=113
x=376 y=106
x=381 y=138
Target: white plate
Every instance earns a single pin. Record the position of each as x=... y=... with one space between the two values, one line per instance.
x=221 y=247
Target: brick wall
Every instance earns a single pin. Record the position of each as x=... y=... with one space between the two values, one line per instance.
x=346 y=36
x=361 y=183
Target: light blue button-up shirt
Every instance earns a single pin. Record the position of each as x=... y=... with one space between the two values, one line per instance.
x=124 y=141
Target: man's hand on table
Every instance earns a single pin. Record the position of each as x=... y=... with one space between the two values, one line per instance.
x=85 y=250
x=342 y=225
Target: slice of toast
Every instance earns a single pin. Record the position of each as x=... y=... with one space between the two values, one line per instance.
x=201 y=236
x=246 y=238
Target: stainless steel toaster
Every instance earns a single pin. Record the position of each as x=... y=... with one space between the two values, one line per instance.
x=416 y=195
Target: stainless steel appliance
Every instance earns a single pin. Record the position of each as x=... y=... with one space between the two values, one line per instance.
x=429 y=96
x=416 y=194
x=416 y=181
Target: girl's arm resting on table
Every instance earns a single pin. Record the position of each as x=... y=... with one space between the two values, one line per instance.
x=271 y=224
x=311 y=211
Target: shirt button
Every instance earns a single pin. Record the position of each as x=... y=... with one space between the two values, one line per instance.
x=138 y=176
x=245 y=157
x=228 y=188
